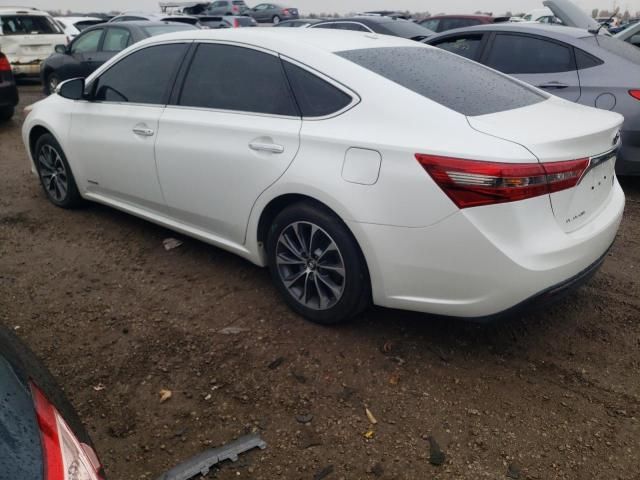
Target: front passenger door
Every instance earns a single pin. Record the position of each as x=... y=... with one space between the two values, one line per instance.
x=543 y=63
x=84 y=51
x=118 y=127
x=233 y=131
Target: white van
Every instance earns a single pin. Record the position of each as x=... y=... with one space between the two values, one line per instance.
x=27 y=37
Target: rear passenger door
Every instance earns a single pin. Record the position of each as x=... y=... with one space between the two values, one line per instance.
x=231 y=131
x=542 y=62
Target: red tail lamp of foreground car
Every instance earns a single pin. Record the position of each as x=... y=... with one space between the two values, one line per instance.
x=5 y=66
x=471 y=183
x=65 y=458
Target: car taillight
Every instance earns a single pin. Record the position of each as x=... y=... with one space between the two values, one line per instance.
x=236 y=23
x=65 y=458
x=471 y=183
x=285 y=11
x=635 y=94
x=5 y=66
x=235 y=8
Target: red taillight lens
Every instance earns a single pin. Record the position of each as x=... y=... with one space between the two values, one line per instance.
x=285 y=11
x=236 y=23
x=235 y=8
x=5 y=66
x=65 y=458
x=471 y=183
x=635 y=94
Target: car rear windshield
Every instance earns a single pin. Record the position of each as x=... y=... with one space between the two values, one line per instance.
x=27 y=25
x=84 y=24
x=450 y=80
x=160 y=29
x=615 y=46
x=244 y=21
x=406 y=29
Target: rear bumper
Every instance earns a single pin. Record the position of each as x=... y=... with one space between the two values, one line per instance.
x=628 y=162
x=8 y=94
x=31 y=69
x=481 y=262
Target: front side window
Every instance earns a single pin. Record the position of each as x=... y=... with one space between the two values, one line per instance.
x=431 y=24
x=450 y=80
x=116 y=40
x=315 y=97
x=451 y=23
x=87 y=42
x=515 y=54
x=145 y=76
x=226 y=77
x=331 y=26
x=355 y=27
x=467 y=46
x=28 y=25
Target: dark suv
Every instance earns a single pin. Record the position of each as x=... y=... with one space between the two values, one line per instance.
x=8 y=90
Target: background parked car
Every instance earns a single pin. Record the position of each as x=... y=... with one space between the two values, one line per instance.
x=300 y=22
x=154 y=17
x=72 y=26
x=228 y=7
x=8 y=90
x=442 y=23
x=95 y=46
x=388 y=13
x=630 y=35
x=239 y=21
x=272 y=13
x=212 y=22
x=27 y=37
x=375 y=24
x=42 y=437
x=568 y=62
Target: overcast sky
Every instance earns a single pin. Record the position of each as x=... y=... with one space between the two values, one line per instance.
x=341 y=6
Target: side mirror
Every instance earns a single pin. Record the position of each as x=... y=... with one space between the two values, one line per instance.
x=61 y=49
x=72 y=89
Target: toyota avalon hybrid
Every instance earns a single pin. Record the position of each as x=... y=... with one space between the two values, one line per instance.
x=459 y=191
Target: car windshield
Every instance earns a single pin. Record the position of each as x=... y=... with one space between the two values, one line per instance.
x=406 y=29
x=615 y=46
x=160 y=29
x=28 y=25
x=448 y=79
x=84 y=24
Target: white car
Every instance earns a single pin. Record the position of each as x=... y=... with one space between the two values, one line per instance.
x=358 y=167
x=72 y=26
x=27 y=37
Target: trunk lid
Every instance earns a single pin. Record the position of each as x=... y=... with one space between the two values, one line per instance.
x=571 y=15
x=24 y=49
x=557 y=131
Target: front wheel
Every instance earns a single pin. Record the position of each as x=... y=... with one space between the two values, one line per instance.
x=52 y=83
x=55 y=174
x=275 y=20
x=317 y=265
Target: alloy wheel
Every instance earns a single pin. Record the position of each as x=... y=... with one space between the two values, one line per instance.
x=53 y=173
x=310 y=265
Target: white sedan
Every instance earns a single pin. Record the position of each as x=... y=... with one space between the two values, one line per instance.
x=359 y=168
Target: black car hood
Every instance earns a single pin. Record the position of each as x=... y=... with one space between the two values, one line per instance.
x=20 y=446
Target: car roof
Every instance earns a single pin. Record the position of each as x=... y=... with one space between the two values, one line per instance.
x=365 y=19
x=11 y=10
x=80 y=19
x=132 y=24
x=557 y=31
x=484 y=17
x=284 y=39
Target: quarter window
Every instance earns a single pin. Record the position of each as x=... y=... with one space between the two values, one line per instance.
x=315 y=97
x=88 y=42
x=116 y=39
x=521 y=54
x=145 y=76
x=235 y=78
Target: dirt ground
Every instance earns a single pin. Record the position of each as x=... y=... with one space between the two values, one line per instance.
x=555 y=394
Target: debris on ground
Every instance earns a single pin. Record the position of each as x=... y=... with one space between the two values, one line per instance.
x=202 y=463
x=370 y=416
x=304 y=418
x=323 y=473
x=513 y=471
x=369 y=434
x=99 y=387
x=171 y=243
x=165 y=395
x=309 y=438
x=436 y=455
x=232 y=330
x=376 y=470
x=276 y=363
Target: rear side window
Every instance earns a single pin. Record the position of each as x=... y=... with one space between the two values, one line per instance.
x=315 y=97
x=28 y=25
x=451 y=23
x=467 y=46
x=515 y=54
x=616 y=46
x=355 y=27
x=450 y=80
x=145 y=76
x=585 y=60
x=115 y=40
x=225 y=77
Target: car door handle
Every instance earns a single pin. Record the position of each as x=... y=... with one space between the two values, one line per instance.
x=552 y=85
x=143 y=132
x=266 y=147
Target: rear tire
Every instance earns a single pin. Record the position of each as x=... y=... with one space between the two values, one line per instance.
x=6 y=113
x=55 y=173
x=275 y=20
x=317 y=265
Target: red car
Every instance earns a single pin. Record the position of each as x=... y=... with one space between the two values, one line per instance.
x=442 y=23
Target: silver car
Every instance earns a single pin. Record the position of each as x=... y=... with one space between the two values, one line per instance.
x=571 y=63
x=272 y=13
x=227 y=7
